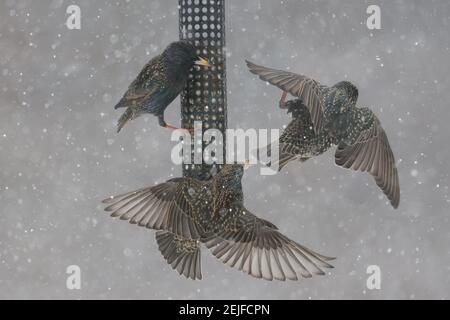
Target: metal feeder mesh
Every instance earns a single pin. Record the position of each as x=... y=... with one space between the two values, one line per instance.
x=204 y=97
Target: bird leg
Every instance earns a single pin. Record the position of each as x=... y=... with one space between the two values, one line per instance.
x=169 y=126
x=282 y=102
x=185 y=131
x=163 y=124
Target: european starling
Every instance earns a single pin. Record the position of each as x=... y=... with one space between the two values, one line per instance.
x=325 y=116
x=159 y=83
x=189 y=212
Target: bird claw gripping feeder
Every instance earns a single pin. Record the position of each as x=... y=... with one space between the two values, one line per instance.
x=204 y=97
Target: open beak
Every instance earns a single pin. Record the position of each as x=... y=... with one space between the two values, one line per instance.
x=202 y=62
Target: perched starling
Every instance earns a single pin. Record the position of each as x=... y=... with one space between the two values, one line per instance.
x=159 y=83
x=188 y=212
x=325 y=116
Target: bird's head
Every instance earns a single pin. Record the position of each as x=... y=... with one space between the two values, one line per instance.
x=350 y=89
x=182 y=54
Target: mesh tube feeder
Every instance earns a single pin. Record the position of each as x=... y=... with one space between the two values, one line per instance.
x=204 y=96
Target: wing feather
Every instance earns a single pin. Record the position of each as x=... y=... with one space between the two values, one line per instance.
x=307 y=89
x=372 y=153
x=160 y=207
x=259 y=249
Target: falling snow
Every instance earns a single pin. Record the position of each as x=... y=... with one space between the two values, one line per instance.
x=61 y=154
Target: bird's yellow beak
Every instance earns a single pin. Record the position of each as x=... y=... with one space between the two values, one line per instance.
x=202 y=62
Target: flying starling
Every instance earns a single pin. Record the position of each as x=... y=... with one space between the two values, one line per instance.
x=325 y=116
x=188 y=213
x=159 y=83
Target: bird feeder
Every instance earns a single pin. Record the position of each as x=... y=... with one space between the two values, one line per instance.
x=204 y=96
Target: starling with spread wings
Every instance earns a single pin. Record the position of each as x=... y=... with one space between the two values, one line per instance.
x=159 y=83
x=188 y=213
x=325 y=116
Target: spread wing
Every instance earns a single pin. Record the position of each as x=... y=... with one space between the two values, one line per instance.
x=169 y=206
x=307 y=89
x=256 y=247
x=372 y=153
x=183 y=255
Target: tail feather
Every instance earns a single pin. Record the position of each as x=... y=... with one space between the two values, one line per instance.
x=123 y=103
x=126 y=116
x=284 y=160
x=183 y=255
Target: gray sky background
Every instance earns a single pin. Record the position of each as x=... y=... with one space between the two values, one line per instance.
x=60 y=154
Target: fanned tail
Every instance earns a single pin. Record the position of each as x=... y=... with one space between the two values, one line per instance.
x=182 y=254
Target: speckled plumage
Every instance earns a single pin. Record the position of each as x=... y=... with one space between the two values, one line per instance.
x=325 y=116
x=189 y=212
x=159 y=83
x=298 y=140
